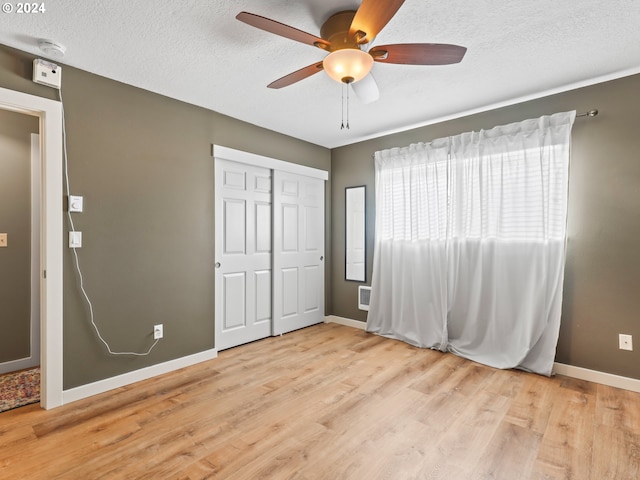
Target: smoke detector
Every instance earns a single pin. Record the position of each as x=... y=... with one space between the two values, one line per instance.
x=52 y=49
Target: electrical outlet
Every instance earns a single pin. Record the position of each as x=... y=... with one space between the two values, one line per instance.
x=157 y=332
x=625 y=341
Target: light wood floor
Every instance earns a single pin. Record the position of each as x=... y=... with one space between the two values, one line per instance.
x=332 y=402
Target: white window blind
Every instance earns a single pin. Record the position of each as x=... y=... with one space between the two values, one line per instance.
x=507 y=195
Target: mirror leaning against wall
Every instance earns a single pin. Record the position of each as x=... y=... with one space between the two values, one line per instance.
x=355 y=252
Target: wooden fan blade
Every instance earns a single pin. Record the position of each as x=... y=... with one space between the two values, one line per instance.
x=283 y=30
x=372 y=16
x=418 y=53
x=296 y=76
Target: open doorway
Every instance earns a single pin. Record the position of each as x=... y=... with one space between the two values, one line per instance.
x=49 y=117
x=19 y=241
x=20 y=189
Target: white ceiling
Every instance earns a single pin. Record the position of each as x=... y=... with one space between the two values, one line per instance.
x=197 y=52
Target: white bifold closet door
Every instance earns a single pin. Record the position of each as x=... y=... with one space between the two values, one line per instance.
x=269 y=245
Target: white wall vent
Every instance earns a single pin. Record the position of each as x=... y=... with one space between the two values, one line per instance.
x=364 y=296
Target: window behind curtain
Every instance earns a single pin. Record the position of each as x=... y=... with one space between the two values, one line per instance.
x=469 y=250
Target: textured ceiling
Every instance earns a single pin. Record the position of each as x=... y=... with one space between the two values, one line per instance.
x=197 y=52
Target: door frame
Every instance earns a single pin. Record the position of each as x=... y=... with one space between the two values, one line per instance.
x=226 y=153
x=51 y=242
x=36 y=193
x=233 y=155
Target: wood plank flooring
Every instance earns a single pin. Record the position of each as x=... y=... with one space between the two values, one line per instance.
x=332 y=402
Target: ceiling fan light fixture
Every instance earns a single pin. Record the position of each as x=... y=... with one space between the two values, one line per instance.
x=348 y=65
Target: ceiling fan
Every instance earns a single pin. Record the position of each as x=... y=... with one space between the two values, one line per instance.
x=346 y=35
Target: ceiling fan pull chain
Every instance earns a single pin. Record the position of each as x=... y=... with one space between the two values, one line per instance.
x=342 y=107
x=346 y=86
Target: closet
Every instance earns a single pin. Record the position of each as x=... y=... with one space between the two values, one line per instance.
x=269 y=247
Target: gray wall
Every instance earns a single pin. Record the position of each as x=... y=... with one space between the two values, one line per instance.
x=15 y=221
x=143 y=164
x=603 y=259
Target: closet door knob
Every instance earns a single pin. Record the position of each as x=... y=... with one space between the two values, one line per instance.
x=218 y=265
x=321 y=258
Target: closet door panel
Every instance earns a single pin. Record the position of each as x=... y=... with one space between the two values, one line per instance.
x=298 y=247
x=243 y=272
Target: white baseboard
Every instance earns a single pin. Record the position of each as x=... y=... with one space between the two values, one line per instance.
x=101 y=386
x=609 y=379
x=580 y=373
x=345 y=321
x=20 y=364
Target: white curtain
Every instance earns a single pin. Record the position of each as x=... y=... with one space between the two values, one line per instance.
x=470 y=243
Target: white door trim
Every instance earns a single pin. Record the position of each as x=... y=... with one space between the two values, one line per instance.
x=226 y=153
x=50 y=114
x=36 y=215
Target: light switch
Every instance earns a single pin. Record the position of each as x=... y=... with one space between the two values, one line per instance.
x=3 y=240
x=75 y=239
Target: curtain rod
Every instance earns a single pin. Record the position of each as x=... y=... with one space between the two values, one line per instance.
x=590 y=113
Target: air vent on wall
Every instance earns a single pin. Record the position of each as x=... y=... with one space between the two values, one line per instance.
x=364 y=296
